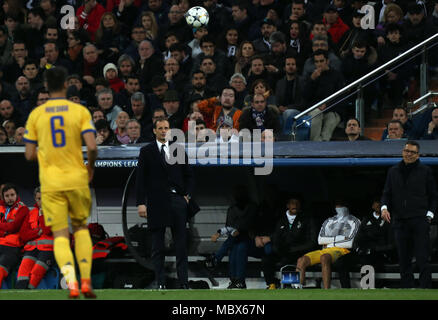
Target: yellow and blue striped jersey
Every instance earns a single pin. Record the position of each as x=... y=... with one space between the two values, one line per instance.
x=57 y=127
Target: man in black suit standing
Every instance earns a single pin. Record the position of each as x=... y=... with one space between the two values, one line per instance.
x=163 y=191
x=409 y=202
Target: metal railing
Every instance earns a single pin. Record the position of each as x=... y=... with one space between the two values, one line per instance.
x=412 y=104
x=360 y=83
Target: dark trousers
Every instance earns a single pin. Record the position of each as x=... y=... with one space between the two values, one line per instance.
x=345 y=264
x=412 y=239
x=179 y=237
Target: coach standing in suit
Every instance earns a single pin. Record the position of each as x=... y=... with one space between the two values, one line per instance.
x=409 y=202
x=163 y=191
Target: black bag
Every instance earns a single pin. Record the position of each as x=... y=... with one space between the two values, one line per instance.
x=141 y=239
x=199 y=284
x=192 y=208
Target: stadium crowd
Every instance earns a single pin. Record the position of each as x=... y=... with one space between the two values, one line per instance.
x=258 y=62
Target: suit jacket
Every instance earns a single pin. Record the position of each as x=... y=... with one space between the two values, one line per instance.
x=155 y=178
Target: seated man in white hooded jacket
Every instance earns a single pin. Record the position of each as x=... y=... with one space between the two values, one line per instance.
x=336 y=237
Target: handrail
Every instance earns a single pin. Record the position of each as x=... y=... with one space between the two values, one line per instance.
x=367 y=76
x=420 y=99
x=427 y=95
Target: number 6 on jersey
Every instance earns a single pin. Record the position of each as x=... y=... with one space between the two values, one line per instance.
x=57 y=133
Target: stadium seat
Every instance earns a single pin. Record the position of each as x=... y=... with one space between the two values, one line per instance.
x=51 y=279
x=302 y=131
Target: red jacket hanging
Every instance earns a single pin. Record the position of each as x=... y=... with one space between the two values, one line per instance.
x=11 y=222
x=34 y=233
x=102 y=248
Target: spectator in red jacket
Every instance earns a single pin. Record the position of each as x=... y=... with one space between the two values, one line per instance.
x=335 y=26
x=89 y=15
x=12 y=214
x=38 y=247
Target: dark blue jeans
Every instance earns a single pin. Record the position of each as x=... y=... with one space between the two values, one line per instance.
x=240 y=250
x=225 y=248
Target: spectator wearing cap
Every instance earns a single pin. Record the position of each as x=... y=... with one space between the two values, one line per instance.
x=225 y=131
x=73 y=94
x=171 y=104
x=195 y=44
x=334 y=24
x=104 y=135
x=263 y=45
x=214 y=109
x=238 y=82
x=417 y=27
x=111 y=75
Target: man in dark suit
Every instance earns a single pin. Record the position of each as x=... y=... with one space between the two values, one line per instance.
x=163 y=191
x=409 y=203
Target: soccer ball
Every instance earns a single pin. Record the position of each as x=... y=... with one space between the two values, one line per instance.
x=197 y=17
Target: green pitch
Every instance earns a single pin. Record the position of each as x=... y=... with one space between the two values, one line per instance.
x=250 y=294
